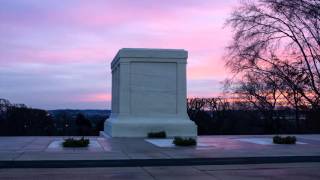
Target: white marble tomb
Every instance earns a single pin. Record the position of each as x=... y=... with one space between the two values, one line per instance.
x=149 y=94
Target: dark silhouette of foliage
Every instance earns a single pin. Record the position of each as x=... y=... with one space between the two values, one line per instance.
x=180 y=141
x=20 y=120
x=71 y=142
x=84 y=125
x=232 y=116
x=284 y=140
x=212 y=115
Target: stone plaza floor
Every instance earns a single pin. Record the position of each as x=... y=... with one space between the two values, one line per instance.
x=27 y=150
x=292 y=171
x=48 y=148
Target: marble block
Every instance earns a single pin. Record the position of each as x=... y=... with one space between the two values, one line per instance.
x=149 y=93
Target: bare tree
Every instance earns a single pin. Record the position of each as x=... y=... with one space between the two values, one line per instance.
x=278 y=39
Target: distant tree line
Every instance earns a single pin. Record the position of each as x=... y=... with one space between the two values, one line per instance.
x=67 y=123
x=212 y=116
x=234 y=116
x=20 y=120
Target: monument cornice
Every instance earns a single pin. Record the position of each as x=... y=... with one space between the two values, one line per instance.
x=126 y=55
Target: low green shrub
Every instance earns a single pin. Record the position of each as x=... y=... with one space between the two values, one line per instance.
x=284 y=140
x=71 y=142
x=179 y=141
x=160 y=134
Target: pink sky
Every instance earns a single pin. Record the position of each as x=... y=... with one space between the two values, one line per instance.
x=57 y=54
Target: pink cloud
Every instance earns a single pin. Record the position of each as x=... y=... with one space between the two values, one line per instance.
x=51 y=56
x=203 y=71
x=52 y=34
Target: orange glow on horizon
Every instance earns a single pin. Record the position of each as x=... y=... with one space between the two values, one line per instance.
x=98 y=97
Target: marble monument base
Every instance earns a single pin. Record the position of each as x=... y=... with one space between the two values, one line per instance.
x=140 y=127
x=149 y=94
